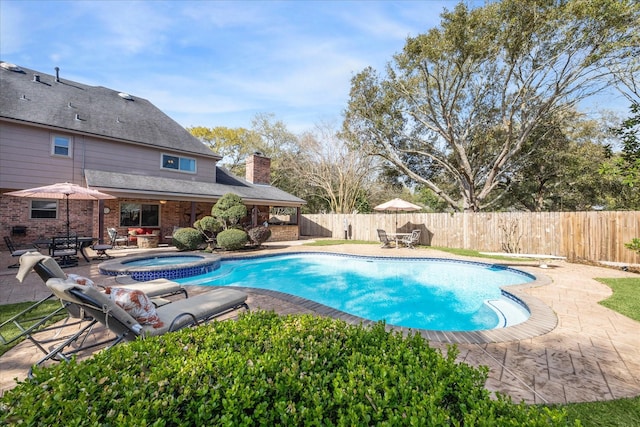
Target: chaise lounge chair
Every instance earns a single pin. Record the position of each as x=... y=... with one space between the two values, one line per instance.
x=172 y=316
x=32 y=326
x=17 y=252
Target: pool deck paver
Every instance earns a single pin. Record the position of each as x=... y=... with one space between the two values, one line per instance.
x=585 y=351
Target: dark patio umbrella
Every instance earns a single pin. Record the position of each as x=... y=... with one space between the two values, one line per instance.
x=397 y=205
x=63 y=190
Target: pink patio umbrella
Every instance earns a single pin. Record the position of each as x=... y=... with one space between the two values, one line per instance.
x=60 y=191
x=397 y=205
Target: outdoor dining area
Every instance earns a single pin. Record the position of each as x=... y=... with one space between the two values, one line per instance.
x=64 y=248
x=407 y=239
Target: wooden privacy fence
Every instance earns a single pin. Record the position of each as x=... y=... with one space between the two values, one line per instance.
x=593 y=236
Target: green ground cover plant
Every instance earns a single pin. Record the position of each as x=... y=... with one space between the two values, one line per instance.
x=265 y=369
x=10 y=330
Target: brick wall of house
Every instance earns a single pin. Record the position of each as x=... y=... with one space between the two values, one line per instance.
x=16 y=212
x=283 y=233
x=172 y=214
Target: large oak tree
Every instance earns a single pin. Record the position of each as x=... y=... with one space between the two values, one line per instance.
x=458 y=104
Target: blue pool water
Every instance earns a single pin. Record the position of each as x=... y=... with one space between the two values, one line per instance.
x=430 y=294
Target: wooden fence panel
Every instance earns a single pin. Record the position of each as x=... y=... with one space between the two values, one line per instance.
x=594 y=236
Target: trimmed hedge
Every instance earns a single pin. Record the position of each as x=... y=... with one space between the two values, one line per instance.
x=258 y=235
x=187 y=239
x=232 y=239
x=264 y=369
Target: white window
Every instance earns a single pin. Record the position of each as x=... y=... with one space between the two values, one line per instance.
x=44 y=209
x=182 y=164
x=61 y=146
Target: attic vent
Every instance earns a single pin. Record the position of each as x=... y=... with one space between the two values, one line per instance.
x=125 y=96
x=36 y=77
x=9 y=66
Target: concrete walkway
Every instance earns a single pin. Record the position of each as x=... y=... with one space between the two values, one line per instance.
x=590 y=353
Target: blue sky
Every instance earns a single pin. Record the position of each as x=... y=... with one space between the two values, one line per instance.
x=217 y=63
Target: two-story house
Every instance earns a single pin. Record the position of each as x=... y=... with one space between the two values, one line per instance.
x=56 y=130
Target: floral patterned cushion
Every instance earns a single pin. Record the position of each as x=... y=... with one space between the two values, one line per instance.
x=137 y=304
x=81 y=280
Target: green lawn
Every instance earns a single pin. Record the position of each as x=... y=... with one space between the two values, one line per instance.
x=625 y=298
x=329 y=242
x=10 y=330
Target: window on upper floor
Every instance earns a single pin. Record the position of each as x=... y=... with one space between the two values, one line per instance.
x=61 y=145
x=44 y=209
x=178 y=163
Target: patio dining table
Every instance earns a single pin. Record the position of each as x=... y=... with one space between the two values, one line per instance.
x=397 y=237
x=83 y=244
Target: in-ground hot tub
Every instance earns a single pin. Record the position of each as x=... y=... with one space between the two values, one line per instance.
x=169 y=265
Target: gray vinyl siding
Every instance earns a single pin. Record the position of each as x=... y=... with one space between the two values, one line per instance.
x=26 y=160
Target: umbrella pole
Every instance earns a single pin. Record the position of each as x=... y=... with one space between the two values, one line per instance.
x=68 y=222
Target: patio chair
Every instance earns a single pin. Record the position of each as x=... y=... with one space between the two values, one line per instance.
x=17 y=252
x=101 y=251
x=32 y=326
x=115 y=241
x=411 y=240
x=172 y=317
x=65 y=250
x=47 y=268
x=384 y=239
x=32 y=321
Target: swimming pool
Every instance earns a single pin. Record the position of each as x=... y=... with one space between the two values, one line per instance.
x=421 y=293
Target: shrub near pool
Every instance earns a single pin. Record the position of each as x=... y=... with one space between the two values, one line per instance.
x=264 y=369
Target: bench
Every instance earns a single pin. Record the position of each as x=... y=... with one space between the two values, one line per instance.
x=538 y=257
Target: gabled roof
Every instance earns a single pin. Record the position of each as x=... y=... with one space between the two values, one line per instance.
x=129 y=185
x=58 y=103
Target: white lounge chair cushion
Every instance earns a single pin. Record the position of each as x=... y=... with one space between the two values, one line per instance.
x=152 y=287
x=208 y=305
x=174 y=315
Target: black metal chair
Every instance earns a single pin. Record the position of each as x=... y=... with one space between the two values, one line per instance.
x=33 y=322
x=17 y=252
x=65 y=251
x=101 y=251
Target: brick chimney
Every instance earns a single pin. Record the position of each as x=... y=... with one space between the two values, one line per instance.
x=258 y=169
